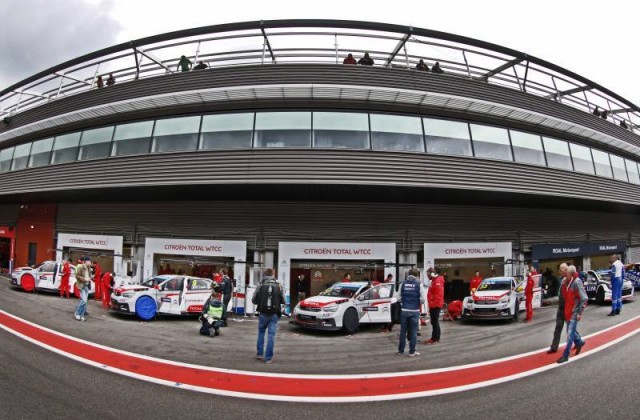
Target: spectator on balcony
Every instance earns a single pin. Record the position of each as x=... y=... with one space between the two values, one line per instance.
x=184 y=64
x=624 y=125
x=422 y=66
x=436 y=68
x=366 y=60
x=200 y=66
x=350 y=60
x=604 y=114
x=111 y=80
x=99 y=82
x=596 y=111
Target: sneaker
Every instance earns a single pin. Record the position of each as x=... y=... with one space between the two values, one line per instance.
x=552 y=350
x=83 y=319
x=414 y=354
x=617 y=311
x=212 y=332
x=217 y=333
x=259 y=357
x=612 y=313
x=268 y=362
x=563 y=359
x=77 y=317
x=400 y=353
x=431 y=341
x=579 y=347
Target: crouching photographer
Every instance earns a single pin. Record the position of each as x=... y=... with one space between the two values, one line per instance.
x=211 y=316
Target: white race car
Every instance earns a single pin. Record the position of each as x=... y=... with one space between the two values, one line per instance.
x=597 y=284
x=495 y=298
x=165 y=294
x=345 y=306
x=46 y=277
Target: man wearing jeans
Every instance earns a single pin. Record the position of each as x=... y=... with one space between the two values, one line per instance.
x=83 y=284
x=575 y=300
x=268 y=298
x=410 y=297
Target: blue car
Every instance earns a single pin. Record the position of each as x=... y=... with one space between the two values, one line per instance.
x=632 y=273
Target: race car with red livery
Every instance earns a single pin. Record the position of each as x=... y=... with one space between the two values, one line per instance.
x=346 y=305
x=162 y=295
x=495 y=298
x=45 y=278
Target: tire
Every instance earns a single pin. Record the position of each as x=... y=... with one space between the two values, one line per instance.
x=600 y=296
x=516 y=312
x=146 y=308
x=28 y=282
x=350 y=321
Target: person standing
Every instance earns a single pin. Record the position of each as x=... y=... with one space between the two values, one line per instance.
x=227 y=291
x=301 y=288
x=575 y=300
x=106 y=280
x=557 y=332
x=184 y=64
x=111 y=80
x=83 y=284
x=347 y=278
x=64 y=280
x=475 y=282
x=528 y=295
x=268 y=298
x=97 y=279
x=617 y=276
x=435 y=298
x=410 y=297
x=366 y=60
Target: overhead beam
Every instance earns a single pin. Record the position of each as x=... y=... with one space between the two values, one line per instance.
x=398 y=47
x=30 y=93
x=501 y=68
x=621 y=110
x=153 y=58
x=570 y=91
x=66 y=76
x=266 y=40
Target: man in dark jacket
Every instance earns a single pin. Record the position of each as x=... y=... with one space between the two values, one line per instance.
x=410 y=297
x=227 y=291
x=268 y=298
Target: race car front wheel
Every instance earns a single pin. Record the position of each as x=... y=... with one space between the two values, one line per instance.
x=28 y=282
x=600 y=296
x=350 y=321
x=146 y=308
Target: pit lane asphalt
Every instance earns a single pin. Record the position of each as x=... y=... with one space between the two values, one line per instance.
x=297 y=350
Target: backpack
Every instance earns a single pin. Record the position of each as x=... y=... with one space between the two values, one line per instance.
x=269 y=298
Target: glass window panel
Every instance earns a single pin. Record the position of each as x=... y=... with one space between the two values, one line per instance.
x=603 y=166
x=341 y=130
x=557 y=152
x=283 y=129
x=95 y=144
x=176 y=134
x=65 y=148
x=132 y=138
x=21 y=156
x=632 y=170
x=41 y=152
x=619 y=170
x=581 y=156
x=397 y=133
x=447 y=137
x=527 y=148
x=5 y=159
x=491 y=142
x=227 y=131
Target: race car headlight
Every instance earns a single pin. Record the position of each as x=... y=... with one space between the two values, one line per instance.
x=504 y=299
x=128 y=294
x=330 y=308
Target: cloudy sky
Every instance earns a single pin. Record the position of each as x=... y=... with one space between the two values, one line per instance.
x=597 y=40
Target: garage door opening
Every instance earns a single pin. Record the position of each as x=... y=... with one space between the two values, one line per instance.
x=189 y=265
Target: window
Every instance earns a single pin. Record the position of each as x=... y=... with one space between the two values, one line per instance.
x=557 y=152
x=582 y=161
x=447 y=137
x=21 y=156
x=491 y=142
x=396 y=133
x=619 y=170
x=527 y=148
x=226 y=131
x=283 y=129
x=132 y=139
x=603 y=165
x=340 y=130
x=5 y=159
x=95 y=144
x=632 y=170
x=41 y=152
x=65 y=148
x=176 y=134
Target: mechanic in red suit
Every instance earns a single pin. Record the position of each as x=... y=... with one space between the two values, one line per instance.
x=64 y=281
x=528 y=295
x=106 y=281
x=435 y=298
x=97 y=277
x=475 y=282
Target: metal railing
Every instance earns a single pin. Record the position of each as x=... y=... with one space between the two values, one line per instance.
x=323 y=42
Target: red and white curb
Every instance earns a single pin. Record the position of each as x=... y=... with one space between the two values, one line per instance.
x=308 y=388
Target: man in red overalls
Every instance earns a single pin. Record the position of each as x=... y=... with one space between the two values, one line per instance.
x=64 y=281
x=528 y=294
x=106 y=289
x=97 y=279
x=475 y=282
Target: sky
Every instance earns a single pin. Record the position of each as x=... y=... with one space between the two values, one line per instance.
x=596 y=40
